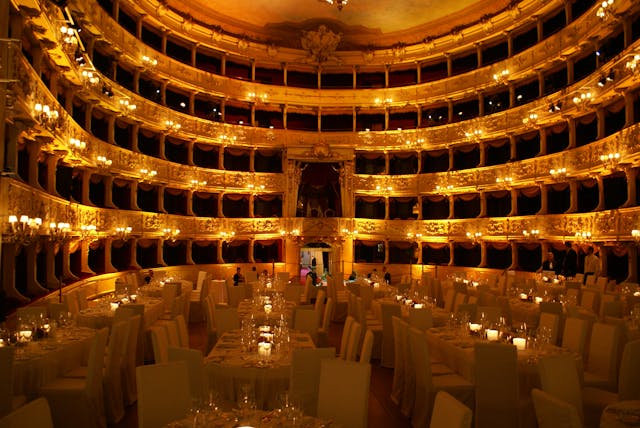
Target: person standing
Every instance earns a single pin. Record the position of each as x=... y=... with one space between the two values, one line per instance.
x=570 y=264
x=238 y=277
x=386 y=275
x=591 y=264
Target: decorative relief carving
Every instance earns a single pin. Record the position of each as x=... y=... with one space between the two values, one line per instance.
x=320 y=45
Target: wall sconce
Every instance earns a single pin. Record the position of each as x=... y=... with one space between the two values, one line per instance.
x=531 y=120
x=383 y=102
x=558 y=173
x=68 y=39
x=350 y=234
x=417 y=237
x=227 y=236
x=504 y=181
x=446 y=189
x=197 y=184
x=171 y=126
x=474 y=135
x=24 y=230
x=89 y=77
x=103 y=162
x=610 y=160
x=47 y=116
x=582 y=237
x=582 y=99
x=531 y=235
x=384 y=190
x=123 y=232
x=602 y=82
x=149 y=62
x=126 y=106
x=171 y=234
x=88 y=232
x=290 y=234
x=257 y=98
x=605 y=11
x=633 y=64
x=255 y=188
x=635 y=234
x=475 y=237
x=77 y=145
x=502 y=77
x=59 y=233
x=148 y=174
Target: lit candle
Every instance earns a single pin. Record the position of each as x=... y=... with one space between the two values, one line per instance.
x=264 y=329
x=25 y=335
x=524 y=296
x=418 y=306
x=475 y=327
x=492 y=335
x=2 y=344
x=267 y=308
x=538 y=299
x=114 y=305
x=520 y=342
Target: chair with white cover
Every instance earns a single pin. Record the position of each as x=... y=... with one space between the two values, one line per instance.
x=71 y=299
x=574 y=336
x=343 y=392
x=400 y=345
x=353 y=346
x=367 y=347
x=420 y=318
x=450 y=413
x=602 y=365
x=236 y=295
x=160 y=343
x=323 y=331
x=496 y=381
x=306 y=320
x=344 y=340
x=449 y=298
x=319 y=305
x=198 y=295
x=183 y=331
x=368 y=321
x=550 y=324
x=112 y=379
x=156 y=406
x=613 y=308
x=559 y=377
x=551 y=307
x=198 y=385
x=553 y=412
x=80 y=401
x=460 y=299
x=282 y=277
x=212 y=333
x=590 y=300
x=426 y=385
x=488 y=314
x=304 y=376
x=8 y=402
x=129 y=366
x=35 y=414
x=226 y=319
x=83 y=302
x=293 y=293
x=335 y=290
x=169 y=294
x=172 y=331
x=388 y=310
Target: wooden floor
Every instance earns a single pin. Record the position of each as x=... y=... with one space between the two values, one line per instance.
x=383 y=413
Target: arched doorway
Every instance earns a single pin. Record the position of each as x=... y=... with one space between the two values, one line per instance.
x=318 y=257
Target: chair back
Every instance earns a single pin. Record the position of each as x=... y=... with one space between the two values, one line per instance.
x=449 y=412
x=629 y=380
x=195 y=364
x=236 y=295
x=553 y=412
x=400 y=348
x=226 y=319
x=304 y=376
x=496 y=380
x=36 y=414
x=156 y=406
x=344 y=341
x=460 y=299
x=169 y=294
x=201 y=280
x=306 y=320
x=293 y=293
x=449 y=300
x=6 y=374
x=559 y=378
x=183 y=332
x=366 y=294
x=343 y=392
x=131 y=350
x=548 y=327
x=367 y=347
x=420 y=318
x=388 y=310
x=603 y=352
x=551 y=307
x=354 y=341
x=424 y=391
x=574 y=336
x=160 y=342
x=113 y=365
x=612 y=308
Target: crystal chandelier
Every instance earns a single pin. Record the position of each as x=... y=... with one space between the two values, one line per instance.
x=338 y=3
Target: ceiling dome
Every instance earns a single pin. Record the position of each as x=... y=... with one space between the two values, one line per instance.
x=362 y=24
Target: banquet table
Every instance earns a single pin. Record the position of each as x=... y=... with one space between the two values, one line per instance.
x=39 y=362
x=456 y=350
x=256 y=418
x=622 y=414
x=440 y=316
x=230 y=366
x=101 y=315
x=282 y=310
x=524 y=311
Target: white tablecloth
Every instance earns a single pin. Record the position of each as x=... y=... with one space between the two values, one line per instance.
x=229 y=367
x=101 y=316
x=621 y=415
x=40 y=362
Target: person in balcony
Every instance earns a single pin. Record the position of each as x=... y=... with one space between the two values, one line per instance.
x=238 y=277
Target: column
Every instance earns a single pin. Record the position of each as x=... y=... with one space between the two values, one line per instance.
x=33 y=286
x=108 y=267
x=84 y=260
x=630 y=176
x=251 y=247
x=9 y=272
x=133 y=195
x=85 y=177
x=633 y=263
x=452 y=205
x=452 y=247
x=544 y=199
x=52 y=164
x=251 y=202
x=512 y=146
x=601 y=122
x=628 y=109
x=480 y=103
x=449 y=64
x=514 y=202
x=479 y=53
x=51 y=280
x=507 y=33
x=573 y=196
x=483 y=204
x=10 y=134
x=482 y=146
x=189 y=252
x=451 y=159
x=601 y=203
x=160 y=205
x=135 y=130
x=190 y=203
x=483 y=254
x=162 y=144
x=543 y=142
x=160 y=253
x=570 y=70
x=33 y=152
x=133 y=263
x=514 y=255
x=572 y=134
x=66 y=263
x=108 y=191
